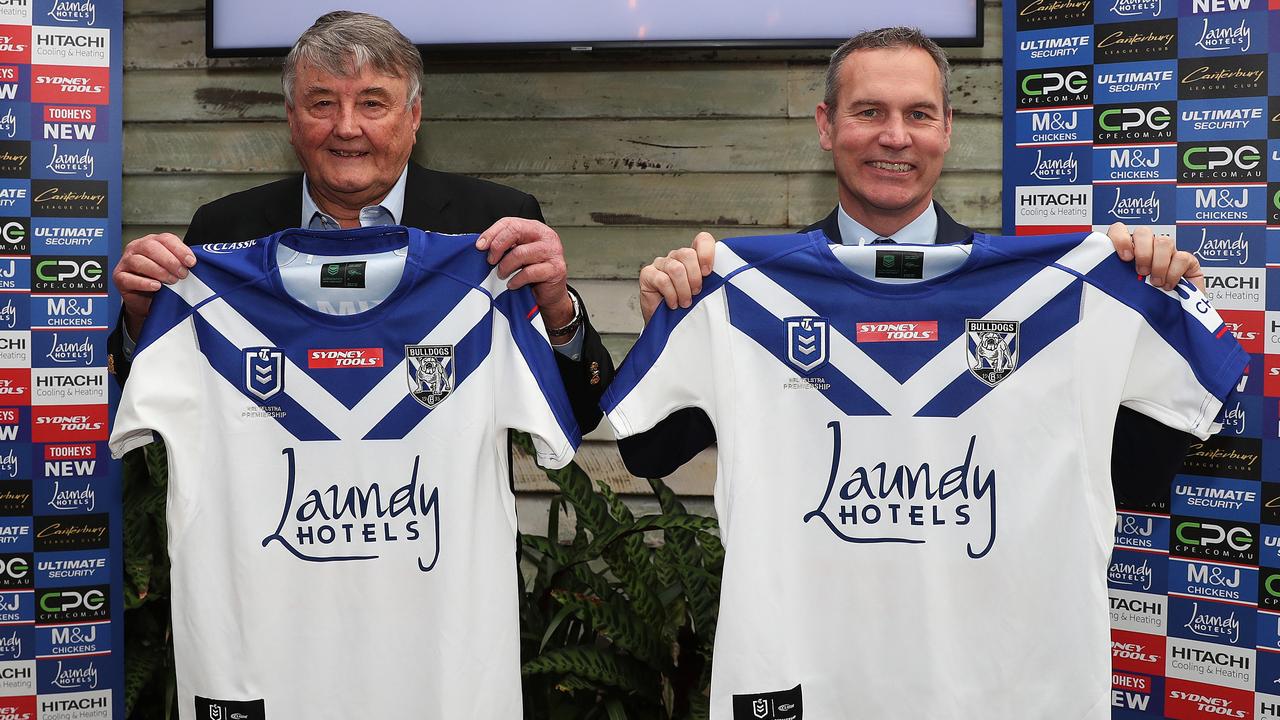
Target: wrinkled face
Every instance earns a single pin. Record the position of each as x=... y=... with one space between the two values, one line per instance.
x=887 y=134
x=352 y=135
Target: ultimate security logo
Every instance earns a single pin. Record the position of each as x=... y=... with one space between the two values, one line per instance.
x=1055 y=87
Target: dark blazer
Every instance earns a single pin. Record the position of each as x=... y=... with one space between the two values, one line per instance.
x=1145 y=456
x=437 y=201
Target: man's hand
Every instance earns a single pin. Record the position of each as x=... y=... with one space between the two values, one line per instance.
x=145 y=263
x=534 y=249
x=1156 y=256
x=675 y=278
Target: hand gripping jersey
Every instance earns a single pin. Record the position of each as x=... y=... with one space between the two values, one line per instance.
x=340 y=520
x=914 y=483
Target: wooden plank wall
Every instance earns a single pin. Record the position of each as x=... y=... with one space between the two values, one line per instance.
x=630 y=154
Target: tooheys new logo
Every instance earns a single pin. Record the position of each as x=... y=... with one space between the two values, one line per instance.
x=1133 y=123
x=72 y=532
x=73 y=604
x=1134 y=41
x=1213 y=539
x=69 y=198
x=1221 y=162
x=69 y=274
x=15 y=236
x=1240 y=76
x=1037 y=14
x=15 y=159
x=1055 y=87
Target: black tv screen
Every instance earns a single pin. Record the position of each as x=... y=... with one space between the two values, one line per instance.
x=254 y=27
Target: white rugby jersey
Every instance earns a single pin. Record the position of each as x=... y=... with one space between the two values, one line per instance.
x=913 y=478
x=341 y=525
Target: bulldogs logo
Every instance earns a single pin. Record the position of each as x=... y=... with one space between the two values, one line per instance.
x=430 y=371
x=992 y=349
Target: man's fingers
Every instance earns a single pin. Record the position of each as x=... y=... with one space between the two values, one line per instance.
x=1184 y=266
x=127 y=282
x=176 y=248
x=679 y=275
x=139 y=264
x=657 y=282
x=518 y=257
x=687 y=258
x=704 y=245
x=1161 y=255
x=1143 y=249
x=1122 y=240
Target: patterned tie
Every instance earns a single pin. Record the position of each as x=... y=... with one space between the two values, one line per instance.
x=884 y=241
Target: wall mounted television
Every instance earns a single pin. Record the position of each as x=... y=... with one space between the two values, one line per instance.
x=246 y=28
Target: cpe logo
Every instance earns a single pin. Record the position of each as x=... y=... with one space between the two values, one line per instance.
x=1220 y=162
x=1216 y=540
x=1046 y=88
x=69 y=274
x=1138 y=122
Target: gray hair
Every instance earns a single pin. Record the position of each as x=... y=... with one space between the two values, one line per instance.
x=883 y=39
x=343 y=43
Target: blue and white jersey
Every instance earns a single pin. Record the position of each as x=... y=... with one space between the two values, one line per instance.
x=913 y=474
x=341 y=524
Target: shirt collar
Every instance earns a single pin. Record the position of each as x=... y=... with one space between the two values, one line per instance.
x=921 y=231
x=392 y=204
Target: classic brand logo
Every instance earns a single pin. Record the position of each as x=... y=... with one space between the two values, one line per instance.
x=431 y=373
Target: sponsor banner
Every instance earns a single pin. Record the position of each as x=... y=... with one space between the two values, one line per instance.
x=1235 y=288
x=1192 y=700
x=54 y=569
x=15 y=159
x=69 y=461
x=1139 y=694
x=16 y=535
x=1134 y=204
x=68 y=84
x=15 y=457
x=17 y=642
x=1054 y=47
x=1214 y=581
x=71 y=46
x=1222 y=34
x=1137 y=572
x=66 y=159
x=1210 y=663
x=1137 y=652
x=68 y=386
x=55 y=533
x=1243 y=415
x=71 y=312
x=1135 y=41
x=1036 y=14
x=1224 y=119
x=1054 y=205
x=1269 y=582
x=1213 y=497
x=15 y=236
x=1052 y=165
x=61 y=606
x=1135 y=82
x=1212 y=622
x=17 y=607
x=15 y=313
x=1221 y=162
x=15 y=498
x=15 y=348
x=15 y=197
x=1222 y=205
x=69 y=274
x=69 y=236
x=1202 y=7
x=69 y=198
x=71 y=123
x=1142 y=531
x=77 y=13
x=69 y=423
x=1267 y=707
x=1138 y=612
x=17 y=571
x=82 y=640
x=1131 y=122
x=1055 y=87
x=1212 y=539
x=1273 y=159
x=1226 y=246
x=1133 y=10
x=18 y=677
x=71 y=674
x=1072 y=126
x=1212 y=77
x=78 y=348
x=15 y=12
x=69 y=495
x=15 y=275
x=14 y=120
x=1135 y=163
x=15 y=82
x=94 y=705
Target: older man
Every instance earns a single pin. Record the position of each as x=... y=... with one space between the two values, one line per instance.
x=886 y=119
x=352 y=89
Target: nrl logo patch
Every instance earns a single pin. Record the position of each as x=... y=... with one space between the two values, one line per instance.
x=263 y=371
x=806 y=342
x=430 y=373
x=992 y=347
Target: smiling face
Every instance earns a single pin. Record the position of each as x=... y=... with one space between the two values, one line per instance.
x=352 y=135
x=888 y=134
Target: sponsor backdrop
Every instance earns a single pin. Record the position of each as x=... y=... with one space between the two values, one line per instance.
x=1167 y=113
x=60 y=557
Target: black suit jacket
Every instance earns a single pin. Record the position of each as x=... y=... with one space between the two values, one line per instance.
x=437 y=201
x=1145 y=454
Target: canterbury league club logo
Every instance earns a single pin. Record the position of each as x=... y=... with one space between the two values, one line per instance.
x=263 y=371
x=992 y=347
x=431 y=373
x=806 y=342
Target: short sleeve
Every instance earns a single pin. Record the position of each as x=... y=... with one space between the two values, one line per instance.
x=670 y=367
x=1184 y=360
x=530 y=395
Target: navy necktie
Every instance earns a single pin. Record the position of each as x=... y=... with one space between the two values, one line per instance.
x=884 y=241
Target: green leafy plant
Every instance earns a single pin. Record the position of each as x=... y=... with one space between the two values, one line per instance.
x=617 y=623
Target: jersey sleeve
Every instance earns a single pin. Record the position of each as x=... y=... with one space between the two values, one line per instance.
x=671 y=366
x=161 y=394
x=1184 y=360
x=530 y=395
